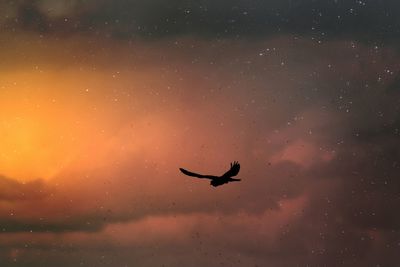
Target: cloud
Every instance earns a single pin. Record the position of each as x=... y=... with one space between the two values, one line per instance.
x=12 y=190
x=131 y=19
x=210 y=233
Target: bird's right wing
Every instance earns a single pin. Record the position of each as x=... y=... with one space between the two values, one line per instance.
x=233 y=171
x=197 y=175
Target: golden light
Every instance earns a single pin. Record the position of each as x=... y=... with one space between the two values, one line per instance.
x=41 y=129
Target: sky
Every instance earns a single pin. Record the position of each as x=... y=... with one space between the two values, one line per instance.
x=101 y=103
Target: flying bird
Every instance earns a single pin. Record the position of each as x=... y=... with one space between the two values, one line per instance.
x=218 y=180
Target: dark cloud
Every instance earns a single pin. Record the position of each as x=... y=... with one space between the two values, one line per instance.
x=363 y=20
x=12 y=190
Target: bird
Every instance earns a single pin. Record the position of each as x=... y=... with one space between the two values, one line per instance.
x=218 y=180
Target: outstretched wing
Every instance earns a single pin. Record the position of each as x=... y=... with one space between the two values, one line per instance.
x=233 y=171
x=197 y=175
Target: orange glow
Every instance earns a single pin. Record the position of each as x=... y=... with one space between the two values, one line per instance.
x=43 y=124
x=52 y=120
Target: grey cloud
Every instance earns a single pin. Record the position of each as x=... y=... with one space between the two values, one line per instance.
x=371 y=21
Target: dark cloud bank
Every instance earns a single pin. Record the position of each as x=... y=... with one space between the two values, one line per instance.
x=372 y=21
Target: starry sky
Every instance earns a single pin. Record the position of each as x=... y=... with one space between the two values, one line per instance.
x=101 y=103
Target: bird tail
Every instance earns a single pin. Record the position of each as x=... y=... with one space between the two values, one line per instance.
x=235 y=180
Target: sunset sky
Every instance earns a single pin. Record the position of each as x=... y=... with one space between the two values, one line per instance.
x=101 y=103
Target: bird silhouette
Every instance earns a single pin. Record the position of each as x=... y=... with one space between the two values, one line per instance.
x=218 y=180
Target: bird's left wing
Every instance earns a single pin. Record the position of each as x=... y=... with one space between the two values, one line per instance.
x=197 y=175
